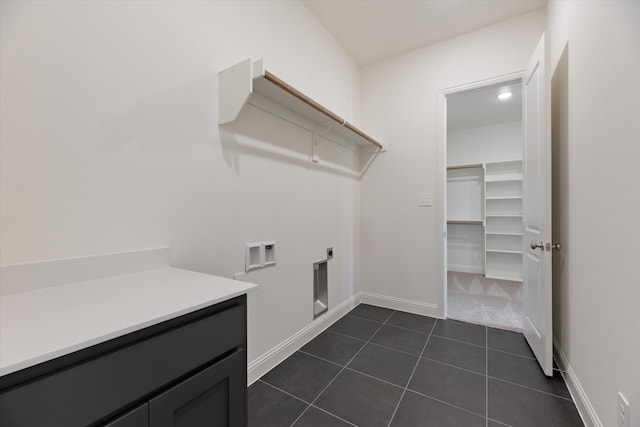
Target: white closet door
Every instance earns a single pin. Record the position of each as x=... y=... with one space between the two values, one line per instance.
x=537 y=324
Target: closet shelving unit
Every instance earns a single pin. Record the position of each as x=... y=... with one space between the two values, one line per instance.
x=503 y=220
x=496 y=205
x=463 y=193
x=248 y=82
x=465 y=218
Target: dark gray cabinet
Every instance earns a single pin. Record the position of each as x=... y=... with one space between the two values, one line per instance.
x=213 y=397
x=138 y=417
x=188 y=371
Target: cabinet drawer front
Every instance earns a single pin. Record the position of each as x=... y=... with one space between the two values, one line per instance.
x=216 y=396
x=92 y=390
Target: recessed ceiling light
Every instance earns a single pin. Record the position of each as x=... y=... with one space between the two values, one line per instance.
x=504 y=96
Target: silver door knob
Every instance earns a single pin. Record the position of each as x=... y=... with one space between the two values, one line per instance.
x=535 y=245
x=555 y=246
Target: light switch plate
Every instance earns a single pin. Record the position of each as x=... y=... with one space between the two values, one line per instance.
x=425 y=199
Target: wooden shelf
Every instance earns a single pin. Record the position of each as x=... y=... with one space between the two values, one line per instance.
x=239 y=83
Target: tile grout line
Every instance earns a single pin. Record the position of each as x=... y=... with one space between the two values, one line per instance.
x=486 y=378
x=498 y=422
x=531 y=388
x=484 y=346
x=333 y=415
x=391 y=324
x=412 y=372
x=283 y=391
x=445 y=402
x=339 y=372
x=452 y=366
x=380 y=345
x=398 y=351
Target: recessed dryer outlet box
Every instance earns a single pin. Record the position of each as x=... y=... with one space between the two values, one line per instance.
x=253 y=256
x=269 y=253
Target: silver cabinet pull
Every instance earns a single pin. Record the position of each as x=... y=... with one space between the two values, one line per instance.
x=535 y=245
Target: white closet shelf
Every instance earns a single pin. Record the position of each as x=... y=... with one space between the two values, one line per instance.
x=504 y=251
x=503 y=197
x=472 y=166
x=465 y=222
x=503 y=179
x=503 y=233
x=504 y=215
x=237 y=84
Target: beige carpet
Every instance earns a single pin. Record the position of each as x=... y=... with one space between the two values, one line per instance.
x=476 y=299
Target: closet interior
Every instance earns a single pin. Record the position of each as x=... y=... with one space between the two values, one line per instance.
x=484 y=206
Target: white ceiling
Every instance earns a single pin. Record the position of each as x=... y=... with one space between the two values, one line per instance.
x=481 y=107
x=374 y=30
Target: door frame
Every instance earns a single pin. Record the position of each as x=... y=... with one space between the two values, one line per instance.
x=441 y=182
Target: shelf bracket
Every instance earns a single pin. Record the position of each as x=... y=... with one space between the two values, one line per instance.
x=318 y=134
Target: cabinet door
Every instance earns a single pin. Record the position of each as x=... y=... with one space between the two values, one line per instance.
x=138 y=417
x=216 y=396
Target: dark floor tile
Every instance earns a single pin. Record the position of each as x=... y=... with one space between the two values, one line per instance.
x=356 y=327
x=522 y=407
x=452 y=385
x=334 y=347
x=359 y=399
x=526 y=372
x=508 y=341
x=371 y=312
x=474 y=334
x=492 y=423
x=419 y=411
x=466 y=356
x=302 y=375
x=400 y=339
x=314 y=417
x=385 y=364
x=412 y=321
x=269 y=407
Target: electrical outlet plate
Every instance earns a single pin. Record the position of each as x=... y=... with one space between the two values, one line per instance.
x=623 y=414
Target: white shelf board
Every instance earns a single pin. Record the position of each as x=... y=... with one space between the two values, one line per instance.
x=503 y=275
x=500 y=233
x=490 y=178
x=504 y=251
x=504 y=215
x=238 y=83
x=503 y=197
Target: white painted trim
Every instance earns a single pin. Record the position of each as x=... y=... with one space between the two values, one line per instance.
x=585 y=408
x=460 y=268
x=441 y=181
x=263 y=364
x=410 y=306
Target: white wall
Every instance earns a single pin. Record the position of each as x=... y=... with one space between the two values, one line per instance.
x=399 y=239
x=597 y=194
x=495 y=143
x=109 y=143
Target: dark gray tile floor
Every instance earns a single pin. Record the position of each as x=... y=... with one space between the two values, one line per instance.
x=380 y=367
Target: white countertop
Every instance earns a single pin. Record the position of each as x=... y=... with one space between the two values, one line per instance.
x=43 y=324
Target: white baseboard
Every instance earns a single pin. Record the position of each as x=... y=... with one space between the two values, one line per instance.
x=410 y=306
x=584 y=406
x=263 y=364
x=473 y=269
